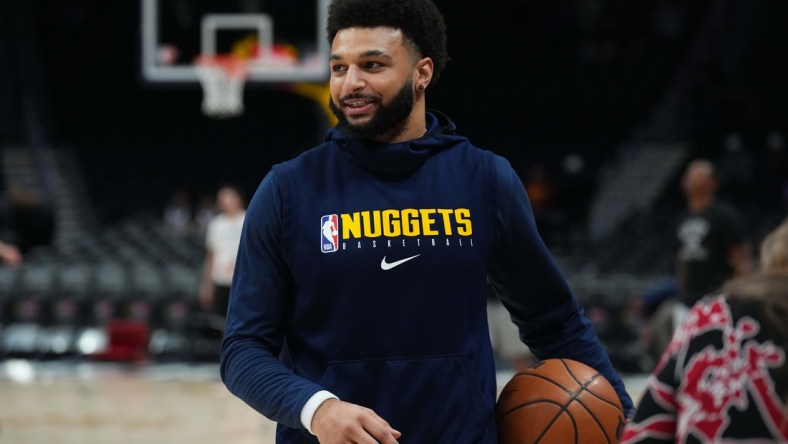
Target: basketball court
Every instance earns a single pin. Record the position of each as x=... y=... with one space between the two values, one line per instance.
x=83 y=403
x=77 y=402
x=223 y=49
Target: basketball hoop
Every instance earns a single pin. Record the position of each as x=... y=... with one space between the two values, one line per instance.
x=222 y=78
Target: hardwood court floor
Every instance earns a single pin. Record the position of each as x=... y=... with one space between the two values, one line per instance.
x=93 y=403
x=61 y=403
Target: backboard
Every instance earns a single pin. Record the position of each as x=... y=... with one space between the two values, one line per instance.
x=285 y=40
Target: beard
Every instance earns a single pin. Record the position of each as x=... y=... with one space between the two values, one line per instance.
x=389 y=119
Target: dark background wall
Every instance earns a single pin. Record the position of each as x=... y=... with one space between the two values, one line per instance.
x=534 y=81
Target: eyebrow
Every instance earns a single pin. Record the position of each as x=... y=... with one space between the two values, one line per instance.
x=370 y=53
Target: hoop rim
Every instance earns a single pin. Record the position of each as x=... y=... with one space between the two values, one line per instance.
x=232 y=65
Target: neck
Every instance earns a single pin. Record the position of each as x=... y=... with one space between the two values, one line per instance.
x=698 y=203
x=413 y=128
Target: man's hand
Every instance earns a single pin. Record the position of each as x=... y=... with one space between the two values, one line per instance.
x=339 y=422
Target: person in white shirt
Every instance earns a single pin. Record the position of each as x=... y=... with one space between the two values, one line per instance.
x=222 y=237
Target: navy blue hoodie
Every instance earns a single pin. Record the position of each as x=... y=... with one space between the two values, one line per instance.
x=363 y=270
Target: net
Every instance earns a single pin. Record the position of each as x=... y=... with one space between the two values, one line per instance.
x=223 y=78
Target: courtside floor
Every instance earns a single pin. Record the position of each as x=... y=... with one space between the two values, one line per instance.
x=61 y=402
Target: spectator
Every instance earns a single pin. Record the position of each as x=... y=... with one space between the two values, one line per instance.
x=178 y=216
x=10 y=254
x=221 y=247
x=723 y=376
x=542 y=194
x=712 y=247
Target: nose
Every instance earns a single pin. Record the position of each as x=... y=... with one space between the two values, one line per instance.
x=354 y=79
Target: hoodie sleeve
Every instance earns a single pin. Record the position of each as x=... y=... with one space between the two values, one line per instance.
x=530 y=285
x=259 y=297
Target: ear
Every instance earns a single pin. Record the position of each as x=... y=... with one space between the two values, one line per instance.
x=423 y=73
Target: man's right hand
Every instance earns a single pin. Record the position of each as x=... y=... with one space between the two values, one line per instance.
x=339 y=422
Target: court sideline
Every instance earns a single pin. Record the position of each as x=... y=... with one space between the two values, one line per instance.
x=105 y=403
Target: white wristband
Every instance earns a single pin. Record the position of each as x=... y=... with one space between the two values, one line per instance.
x=311 y=407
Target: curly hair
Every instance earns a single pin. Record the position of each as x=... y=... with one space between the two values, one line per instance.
x=420 y=21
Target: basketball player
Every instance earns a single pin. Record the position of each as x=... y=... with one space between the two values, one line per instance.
x=384 y=338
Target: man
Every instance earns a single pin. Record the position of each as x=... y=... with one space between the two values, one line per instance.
x=711 y=248
x=383 y=336
x=712 y=243
x=223 y=235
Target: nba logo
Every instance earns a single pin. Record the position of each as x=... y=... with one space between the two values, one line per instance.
x=329 y=235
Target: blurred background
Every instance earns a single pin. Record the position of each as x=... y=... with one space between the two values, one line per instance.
x=109 y=165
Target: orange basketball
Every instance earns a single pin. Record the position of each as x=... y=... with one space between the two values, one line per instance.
x=559 y=401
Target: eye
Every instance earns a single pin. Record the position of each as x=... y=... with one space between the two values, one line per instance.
x=338 y=68
x=372 y=64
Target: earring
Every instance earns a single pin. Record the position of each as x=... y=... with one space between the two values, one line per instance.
x=420 y=87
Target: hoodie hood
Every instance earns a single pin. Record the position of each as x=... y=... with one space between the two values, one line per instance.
x=403 y=157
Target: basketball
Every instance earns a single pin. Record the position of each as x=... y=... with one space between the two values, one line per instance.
x=559 y=401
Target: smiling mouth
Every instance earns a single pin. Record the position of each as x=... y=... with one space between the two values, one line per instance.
x=357 y=107
x=356 y=103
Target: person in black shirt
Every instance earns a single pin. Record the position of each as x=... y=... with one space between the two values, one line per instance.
x=712 y=244
x=711 y=248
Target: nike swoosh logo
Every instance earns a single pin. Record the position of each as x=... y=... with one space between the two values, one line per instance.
x=389 y=265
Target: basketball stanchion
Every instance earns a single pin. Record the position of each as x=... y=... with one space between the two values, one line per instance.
x=222 y=77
